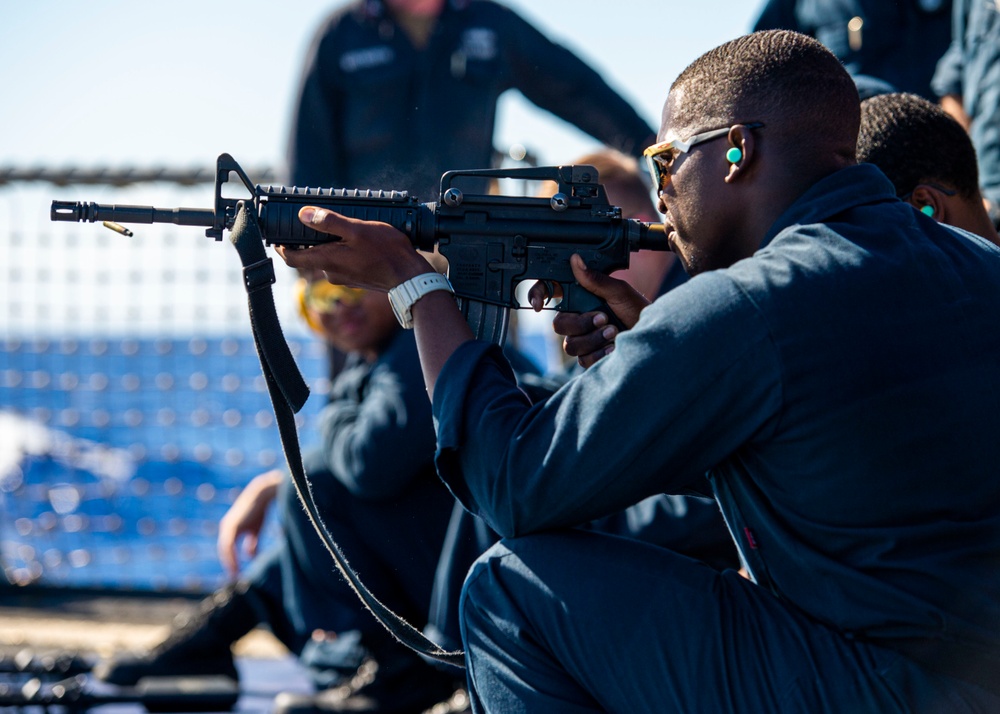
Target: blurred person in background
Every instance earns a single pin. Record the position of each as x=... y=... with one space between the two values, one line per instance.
x=968 y=83
x=896 y=42
x=929 y=158
x=373 y=480
x=396 y=92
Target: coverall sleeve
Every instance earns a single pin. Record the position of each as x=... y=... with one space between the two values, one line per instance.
x=558 y=81
x=694 y=380
x=950 y=68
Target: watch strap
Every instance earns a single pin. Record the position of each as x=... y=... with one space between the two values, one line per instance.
x=403 y=296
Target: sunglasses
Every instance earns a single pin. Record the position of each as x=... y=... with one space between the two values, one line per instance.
x=323 y=297
x=660 y=157
x=928 y=184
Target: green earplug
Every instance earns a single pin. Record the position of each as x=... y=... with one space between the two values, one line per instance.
x=734 y=155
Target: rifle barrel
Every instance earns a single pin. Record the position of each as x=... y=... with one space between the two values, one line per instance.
x=93 y=212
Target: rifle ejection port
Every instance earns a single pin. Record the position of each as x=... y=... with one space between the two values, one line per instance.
x=559 y=201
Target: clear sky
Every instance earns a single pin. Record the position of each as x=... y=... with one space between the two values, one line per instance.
x=120 y=82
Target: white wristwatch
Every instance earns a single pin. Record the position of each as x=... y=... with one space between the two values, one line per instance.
x=405 y=294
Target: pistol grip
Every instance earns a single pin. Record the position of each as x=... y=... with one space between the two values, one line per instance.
x=576 y=299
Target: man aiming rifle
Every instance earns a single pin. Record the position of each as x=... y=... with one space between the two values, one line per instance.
x=831 y=374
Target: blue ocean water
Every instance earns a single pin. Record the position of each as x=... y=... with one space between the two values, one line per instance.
x=118 y=457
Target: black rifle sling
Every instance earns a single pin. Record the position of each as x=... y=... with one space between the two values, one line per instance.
x=288 y=393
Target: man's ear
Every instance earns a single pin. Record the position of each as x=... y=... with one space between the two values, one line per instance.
x=929 y=202
x=740 y=152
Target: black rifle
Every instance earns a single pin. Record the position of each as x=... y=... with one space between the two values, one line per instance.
x=491 y=242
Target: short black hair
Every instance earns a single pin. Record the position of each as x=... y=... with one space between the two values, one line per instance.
x=776 y=76
x=915 y=141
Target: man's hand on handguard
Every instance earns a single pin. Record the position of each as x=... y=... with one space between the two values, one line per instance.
x=589 y=336
x=369 y=254
x=376 y=256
